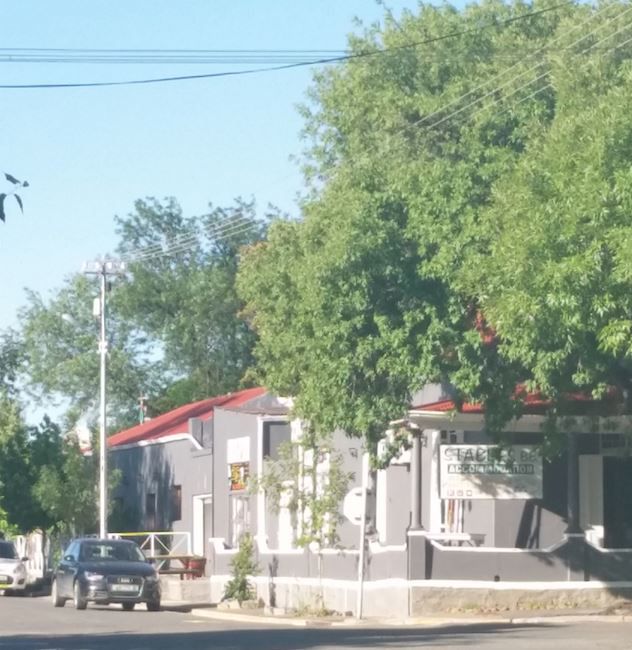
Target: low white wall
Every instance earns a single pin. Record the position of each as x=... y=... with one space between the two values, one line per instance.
x=399 y=599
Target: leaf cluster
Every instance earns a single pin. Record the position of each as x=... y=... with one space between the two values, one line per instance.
x=458 y=230
x=309 y=479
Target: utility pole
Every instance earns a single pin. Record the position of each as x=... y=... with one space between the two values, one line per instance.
x=103 y=269
x=362 y=541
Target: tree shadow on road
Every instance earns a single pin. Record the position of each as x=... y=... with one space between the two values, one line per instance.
x=276 y=638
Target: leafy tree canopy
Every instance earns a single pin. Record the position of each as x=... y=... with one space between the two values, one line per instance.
x=60 y=346
x=24 y=451
x=440 y=211
x=185 y=301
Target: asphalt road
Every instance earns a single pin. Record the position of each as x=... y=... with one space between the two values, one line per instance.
x=33 y=624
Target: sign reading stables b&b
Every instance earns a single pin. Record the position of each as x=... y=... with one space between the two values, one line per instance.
x=490 y=472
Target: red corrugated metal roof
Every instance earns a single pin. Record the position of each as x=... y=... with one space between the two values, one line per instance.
x=534 y=403
x=177 y=421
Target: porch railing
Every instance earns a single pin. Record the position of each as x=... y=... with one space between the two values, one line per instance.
x=160 y=544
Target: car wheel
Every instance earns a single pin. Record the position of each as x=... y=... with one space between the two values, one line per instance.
x=79 y=599
x=54 y=596
x=153 y=606
x=128 y=607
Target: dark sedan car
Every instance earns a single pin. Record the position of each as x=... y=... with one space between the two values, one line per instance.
x=105 y=571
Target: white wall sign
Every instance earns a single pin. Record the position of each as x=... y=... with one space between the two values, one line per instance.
x=490 y=472
x=352 y=506
x=238 y=450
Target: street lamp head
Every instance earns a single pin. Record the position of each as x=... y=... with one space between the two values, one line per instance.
x=114 y=266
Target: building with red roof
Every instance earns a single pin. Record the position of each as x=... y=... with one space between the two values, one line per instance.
x=176 y=422
x=455 y=504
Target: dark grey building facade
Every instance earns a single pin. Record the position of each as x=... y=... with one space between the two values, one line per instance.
x=453 y=512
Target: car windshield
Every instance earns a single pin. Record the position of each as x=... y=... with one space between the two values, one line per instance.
x=110 y=551
x=7 y=551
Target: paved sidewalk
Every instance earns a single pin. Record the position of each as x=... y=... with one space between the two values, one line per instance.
x=434 y=620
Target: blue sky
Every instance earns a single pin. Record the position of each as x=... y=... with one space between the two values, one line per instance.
x=89 y=153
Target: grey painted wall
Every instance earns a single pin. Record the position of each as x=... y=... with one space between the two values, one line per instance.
x=230 y=425
x=153 y=469
x=398 y=498
x=534 y=523
x=235 y=424
x=351 y=450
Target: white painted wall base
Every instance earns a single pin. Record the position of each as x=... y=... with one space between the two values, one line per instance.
x=396 y=598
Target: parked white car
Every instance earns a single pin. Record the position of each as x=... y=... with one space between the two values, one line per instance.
x=13 y=574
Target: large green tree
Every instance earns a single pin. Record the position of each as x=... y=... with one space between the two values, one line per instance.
x=45 y=480
x=24 y=452
x=59 y=342
x=412 y=155
x=11 y=358
x=556 y=278
x=180 y=293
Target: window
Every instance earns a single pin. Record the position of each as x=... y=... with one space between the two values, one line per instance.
x=176 y=502
x=72 y=550
x=274 y=435
x=239 y=518
x=110 y=551
x=7 y=551
x=150 y=510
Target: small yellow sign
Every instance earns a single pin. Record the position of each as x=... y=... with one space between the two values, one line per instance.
x=239 y=476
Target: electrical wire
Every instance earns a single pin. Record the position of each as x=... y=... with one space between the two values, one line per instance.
x=186 y=240
x=532 y=69
x=171 y=57
x=229 y=227
x=549 y=85
x=182 y=248
x=232 y=226
x=498 y=76
x=542 y=76
x=289 y=66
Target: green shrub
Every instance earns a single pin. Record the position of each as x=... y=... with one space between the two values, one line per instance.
x=243 y=565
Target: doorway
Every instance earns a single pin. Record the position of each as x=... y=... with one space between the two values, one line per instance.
x=617 y=493
x=202 y=522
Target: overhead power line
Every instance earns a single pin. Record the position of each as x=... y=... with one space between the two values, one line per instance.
x=167 y=56
x=548 y=85
x=232 y=226
x=293 y=65
x=534 y=68
x=540 y=51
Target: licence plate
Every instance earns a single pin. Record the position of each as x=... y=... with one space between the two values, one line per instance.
x=126 y=588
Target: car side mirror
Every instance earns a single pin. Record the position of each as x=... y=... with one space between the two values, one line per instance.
x=69 y=558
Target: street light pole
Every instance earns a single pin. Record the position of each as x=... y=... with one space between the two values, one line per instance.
x=103 y=268
x=103 y=456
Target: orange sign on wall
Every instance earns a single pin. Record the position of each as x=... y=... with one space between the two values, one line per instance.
x=239 y=476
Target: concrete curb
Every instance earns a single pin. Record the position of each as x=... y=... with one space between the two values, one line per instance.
x=589 y=618
x=182 y=605
x=553 y=619
x=273 y=620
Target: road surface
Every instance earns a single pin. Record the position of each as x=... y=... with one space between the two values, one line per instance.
x=33 y=624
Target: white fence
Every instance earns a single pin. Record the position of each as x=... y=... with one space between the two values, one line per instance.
x=160 y=544
x=36 y=548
